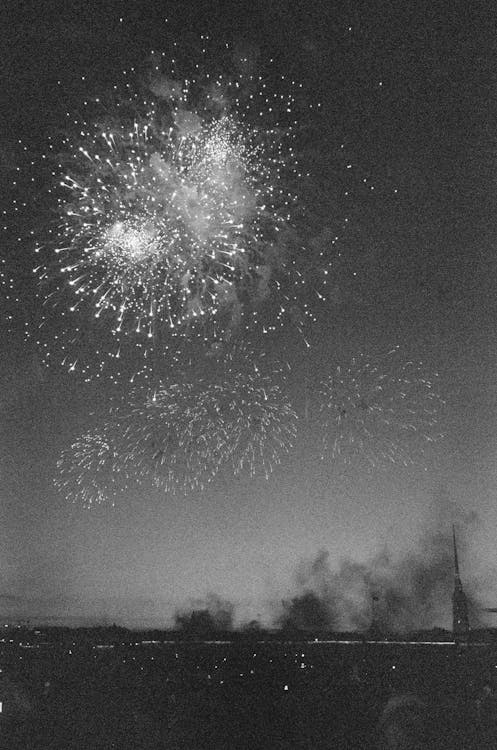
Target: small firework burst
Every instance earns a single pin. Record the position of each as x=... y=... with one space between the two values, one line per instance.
x=383 y=409
x=92 y=470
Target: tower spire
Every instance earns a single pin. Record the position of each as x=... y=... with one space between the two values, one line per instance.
x=460 y=621
x=456 y=562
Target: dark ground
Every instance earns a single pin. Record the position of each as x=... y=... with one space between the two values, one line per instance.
x=232 y=696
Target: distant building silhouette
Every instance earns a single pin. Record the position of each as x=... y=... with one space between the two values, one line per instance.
x=460 y=621
x=375 y=631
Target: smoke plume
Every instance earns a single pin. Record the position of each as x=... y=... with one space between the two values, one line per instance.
x=213 y=615
x=391 y=594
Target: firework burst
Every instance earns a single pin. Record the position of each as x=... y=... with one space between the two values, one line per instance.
x=92 y=470
x=171 y=436
x=382 y=409
x=165 y=225
x=261 y=426
x=174 y=208
x=177 y=436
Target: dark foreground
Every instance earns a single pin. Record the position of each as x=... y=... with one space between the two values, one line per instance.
x=232 y=696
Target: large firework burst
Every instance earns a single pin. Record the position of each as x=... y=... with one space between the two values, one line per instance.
x=175 y=207
x=382 y=409
x=164 y=225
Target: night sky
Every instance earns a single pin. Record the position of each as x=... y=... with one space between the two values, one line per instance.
x=408 y=106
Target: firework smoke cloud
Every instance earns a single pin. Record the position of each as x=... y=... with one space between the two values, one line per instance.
x=394 y=594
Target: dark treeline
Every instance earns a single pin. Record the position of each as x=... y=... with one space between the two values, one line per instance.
x=199 y=626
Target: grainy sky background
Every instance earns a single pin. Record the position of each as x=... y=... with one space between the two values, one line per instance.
x=410 y=93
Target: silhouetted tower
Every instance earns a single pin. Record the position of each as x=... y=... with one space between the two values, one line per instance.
x=460 y=622
x=374 y=630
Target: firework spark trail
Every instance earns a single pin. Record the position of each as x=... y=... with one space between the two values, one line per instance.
x=383 y=409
